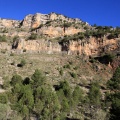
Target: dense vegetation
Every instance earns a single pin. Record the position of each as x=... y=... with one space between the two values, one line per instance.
x=114 y=96
x=32 y=96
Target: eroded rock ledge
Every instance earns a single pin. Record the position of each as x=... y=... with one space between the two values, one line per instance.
x=91 y=47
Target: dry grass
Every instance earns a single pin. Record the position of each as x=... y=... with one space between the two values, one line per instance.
x=50 y=64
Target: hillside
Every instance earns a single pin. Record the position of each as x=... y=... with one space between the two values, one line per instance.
x=54 y=67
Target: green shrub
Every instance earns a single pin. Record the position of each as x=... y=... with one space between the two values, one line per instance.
x=33 y=36
x=38 y=78
x=114 y=82
x=16 y=79
x=15 y=38
x=61 y=72
x=94 y=94
x=4 y=111
x=22 y=63
x=76 y=68
x=6 y=83
x=112 y=36
x=3 y=38
x=5 y=31
x=74 y=75
x=12 y=54
x=3 y=98
x=66 y=66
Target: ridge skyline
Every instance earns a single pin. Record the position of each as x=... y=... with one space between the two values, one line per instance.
x=56 y=14
x=100 y=12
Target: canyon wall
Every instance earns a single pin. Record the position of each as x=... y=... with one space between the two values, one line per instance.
x=94 y=46
x=6 y=23
x=38 y=46
x=91 y=47
x=34 y=21
x=57 y=31
x=50 y=26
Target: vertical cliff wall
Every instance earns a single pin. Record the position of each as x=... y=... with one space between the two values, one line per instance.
x=90 y=47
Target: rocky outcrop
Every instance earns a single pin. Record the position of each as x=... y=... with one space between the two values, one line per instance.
x=51 y=26
x=58 y=31
x=6 y=23
x=38 y=46
x=91 y=47
x=34 y=21
x=54 y=16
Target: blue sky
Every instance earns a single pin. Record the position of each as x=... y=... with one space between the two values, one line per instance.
x=101 y=12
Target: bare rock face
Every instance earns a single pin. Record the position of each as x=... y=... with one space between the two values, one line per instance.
x=58 y=31
x=6 y=23
x=53 y=26
x=38 y=46
x=93 y=46
x=54 y=16
x=34 y=21
x=27 y=21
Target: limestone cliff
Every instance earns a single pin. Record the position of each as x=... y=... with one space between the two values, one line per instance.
x=58 y=31
x=6 y=23
x=34 y=21
x=38 y=46
x=53 y=26
x=94 y=46
x=91 y=47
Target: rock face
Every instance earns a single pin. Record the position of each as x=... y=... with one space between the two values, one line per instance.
x=38 y=46
x=91 y=47
x=53 y=26
x=5 y=23
x=54 y=16
x=58 y=31
x=34 y=21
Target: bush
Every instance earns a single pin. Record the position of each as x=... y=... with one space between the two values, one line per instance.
x=4 y=111
x=112 y=36
x=3 y=98
x=15 y=38
x=6 y=83
x=114 y=83
x=16 y=79
x=24 y=50
x=66 y=66
x=94 y=94
x=22 y=63
x=33 y=36
x=12 y=54
x=3 y=38
x=38 y=78
x=61 y=72
x=73 y=75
